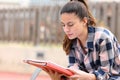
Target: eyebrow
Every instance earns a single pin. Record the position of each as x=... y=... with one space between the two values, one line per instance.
x=68 y=22
x=61 y=23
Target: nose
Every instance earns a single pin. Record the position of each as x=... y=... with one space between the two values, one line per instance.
x=66 y=29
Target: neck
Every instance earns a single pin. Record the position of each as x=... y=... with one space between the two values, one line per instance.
x=84 y=36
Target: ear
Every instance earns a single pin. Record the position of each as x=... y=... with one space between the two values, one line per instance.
x=85 y=20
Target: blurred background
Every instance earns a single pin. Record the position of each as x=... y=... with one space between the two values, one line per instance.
x=30 y=29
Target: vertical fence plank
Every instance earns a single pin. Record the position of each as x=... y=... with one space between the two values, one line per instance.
x=111 y=16
x=1 y=25
x=36 y=27
x=118 y=22
x=29 y=24
x=106 y=14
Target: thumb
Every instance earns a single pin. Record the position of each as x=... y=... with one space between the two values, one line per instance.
x=72 y=70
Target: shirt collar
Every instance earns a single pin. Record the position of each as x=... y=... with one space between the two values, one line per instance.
x=91 y=35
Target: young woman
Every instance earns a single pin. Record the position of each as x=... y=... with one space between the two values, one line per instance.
x=94 y=52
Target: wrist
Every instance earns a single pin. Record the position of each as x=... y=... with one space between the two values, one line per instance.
x=91 y=77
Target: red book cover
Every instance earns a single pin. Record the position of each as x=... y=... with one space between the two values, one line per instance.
x=49 y=65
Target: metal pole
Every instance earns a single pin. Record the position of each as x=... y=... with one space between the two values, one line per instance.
x=35 y=74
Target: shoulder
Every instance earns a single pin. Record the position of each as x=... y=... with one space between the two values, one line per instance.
x=103 y=30
x=99 y=30
x=103 y=33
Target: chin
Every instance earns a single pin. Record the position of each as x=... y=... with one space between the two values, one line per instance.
x=71 y=38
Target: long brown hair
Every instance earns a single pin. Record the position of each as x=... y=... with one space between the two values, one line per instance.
x=80 y=8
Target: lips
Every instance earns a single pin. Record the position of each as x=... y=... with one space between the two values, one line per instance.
x=69 y=34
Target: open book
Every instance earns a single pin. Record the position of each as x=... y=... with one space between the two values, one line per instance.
x=49 y=65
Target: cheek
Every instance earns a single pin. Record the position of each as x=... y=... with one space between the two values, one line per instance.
x=77 y=28
x=76 y=31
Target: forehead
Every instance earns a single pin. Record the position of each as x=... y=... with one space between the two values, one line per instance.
x=68 y=17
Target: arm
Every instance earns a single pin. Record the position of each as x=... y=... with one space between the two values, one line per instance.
x=107 y=62
x=79 y=74
x=53 y=75
x=82 y=75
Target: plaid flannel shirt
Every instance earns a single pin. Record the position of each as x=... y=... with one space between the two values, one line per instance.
x=102 y=57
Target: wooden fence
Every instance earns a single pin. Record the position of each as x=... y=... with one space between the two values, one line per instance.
x=15 y=24
x=30 y=24
x=107 y=14
x=42 y=24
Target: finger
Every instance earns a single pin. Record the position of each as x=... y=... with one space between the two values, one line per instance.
x=64 y=77
x=51 y=72
x=45 y=70
x=76 y=71
x=75 y=76
x=72 y=70
x=56 y=74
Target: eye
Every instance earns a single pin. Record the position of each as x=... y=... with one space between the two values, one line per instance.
x=62 y=25
x=70 y=24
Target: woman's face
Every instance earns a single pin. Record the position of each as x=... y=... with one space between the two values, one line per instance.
x=72 y=25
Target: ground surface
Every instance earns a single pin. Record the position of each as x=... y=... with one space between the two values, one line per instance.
x=19 y=76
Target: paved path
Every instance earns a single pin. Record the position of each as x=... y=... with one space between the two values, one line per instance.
x=19 y=76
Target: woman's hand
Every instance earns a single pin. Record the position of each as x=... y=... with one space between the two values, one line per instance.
x=81 y=75
x=53 y=75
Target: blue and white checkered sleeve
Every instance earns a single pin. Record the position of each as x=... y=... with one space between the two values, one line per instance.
x=71 y=58
x=106 y=56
